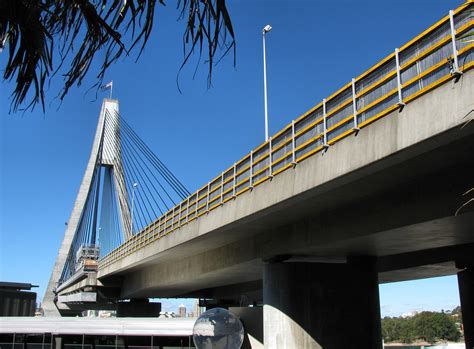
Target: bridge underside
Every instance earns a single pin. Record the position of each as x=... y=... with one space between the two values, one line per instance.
x=328 y=247
x=391 y=192
x=393 y=197
x=403 y=215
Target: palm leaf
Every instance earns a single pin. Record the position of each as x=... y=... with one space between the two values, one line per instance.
x=73 y=32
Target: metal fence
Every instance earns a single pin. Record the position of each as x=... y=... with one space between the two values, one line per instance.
x=434 y=57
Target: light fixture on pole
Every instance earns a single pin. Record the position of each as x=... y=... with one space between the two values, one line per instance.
x=265 y=30
x=135 y=184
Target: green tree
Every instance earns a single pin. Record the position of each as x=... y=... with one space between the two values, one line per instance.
x=41 y=37
x=434 y=326
x=456 y=314
x=426 y=326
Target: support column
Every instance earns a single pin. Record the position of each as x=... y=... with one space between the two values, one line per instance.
x=466 y=293
x=319 y=305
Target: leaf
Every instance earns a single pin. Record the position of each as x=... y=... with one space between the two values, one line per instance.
x=73 y=32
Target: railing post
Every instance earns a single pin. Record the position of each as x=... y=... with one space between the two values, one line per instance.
x=222 y=188
x=325 y=129
x=251 y=170
x=160 y=220
x=187 y=211
x=197 y=204
x=208 y=196
x=152 y=229
x=234 y=180
x=172 y=218
x=293 y=143
x=455 y=65
x=270 y=157
x=354 y=105
x=401 y=104
x=179 y=215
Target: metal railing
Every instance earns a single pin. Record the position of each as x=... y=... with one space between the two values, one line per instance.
x=429 y=60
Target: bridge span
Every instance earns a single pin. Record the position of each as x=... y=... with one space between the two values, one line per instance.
x=364 y=188
x=393 y=188
x=385 y=198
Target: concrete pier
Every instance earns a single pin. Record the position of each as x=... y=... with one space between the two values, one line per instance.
x=319 y=305
x=466 y=293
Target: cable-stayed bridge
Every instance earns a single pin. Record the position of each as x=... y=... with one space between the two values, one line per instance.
x=115 y=208
x=361 y=189
x=125 y=187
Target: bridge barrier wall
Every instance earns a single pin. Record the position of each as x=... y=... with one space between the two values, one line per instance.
x=439 y=54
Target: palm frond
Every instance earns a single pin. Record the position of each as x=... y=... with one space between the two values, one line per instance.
x=73 y=32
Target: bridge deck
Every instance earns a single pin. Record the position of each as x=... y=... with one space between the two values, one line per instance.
x=415 y=69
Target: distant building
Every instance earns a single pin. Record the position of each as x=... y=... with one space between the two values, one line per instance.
x=15 y=300
x=99 y=313
x=39 y=312
x=409 y=314
x=182 y=310
x=90 y=313
x=198 y=310
x=107 y=313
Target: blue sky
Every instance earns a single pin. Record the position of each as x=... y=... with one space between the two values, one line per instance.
x=315 y=47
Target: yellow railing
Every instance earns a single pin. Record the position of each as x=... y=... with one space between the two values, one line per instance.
x=424 y=63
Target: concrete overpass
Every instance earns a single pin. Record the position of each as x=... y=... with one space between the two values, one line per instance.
x=360 y=190
x=393 y=188
x=390 y=192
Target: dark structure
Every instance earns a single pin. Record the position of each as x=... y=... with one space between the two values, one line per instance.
x=15 y=300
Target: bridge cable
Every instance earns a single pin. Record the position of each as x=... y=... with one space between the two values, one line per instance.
x=149 y=180
x=127 y=132
x=158 y=163
x=129 y=186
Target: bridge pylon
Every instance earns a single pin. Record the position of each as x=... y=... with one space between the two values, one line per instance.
x=124 y=189
x=106 y=152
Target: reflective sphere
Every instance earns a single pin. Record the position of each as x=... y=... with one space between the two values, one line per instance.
x=218 y=328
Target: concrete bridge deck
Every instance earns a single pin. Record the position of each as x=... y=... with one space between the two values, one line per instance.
x=389 y=191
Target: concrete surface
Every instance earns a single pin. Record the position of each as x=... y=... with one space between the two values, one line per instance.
x=466 y=293
x=252 y=320
x=321 y=305
x=389 y=191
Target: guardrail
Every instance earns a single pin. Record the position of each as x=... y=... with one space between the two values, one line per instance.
x=429 y=60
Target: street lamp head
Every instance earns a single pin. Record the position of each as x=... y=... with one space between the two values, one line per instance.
x=266 y=29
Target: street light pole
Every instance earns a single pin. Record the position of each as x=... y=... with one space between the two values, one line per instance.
x=264 y=32
x=131 y=213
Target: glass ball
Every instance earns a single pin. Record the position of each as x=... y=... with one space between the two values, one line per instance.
x=218 y=328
